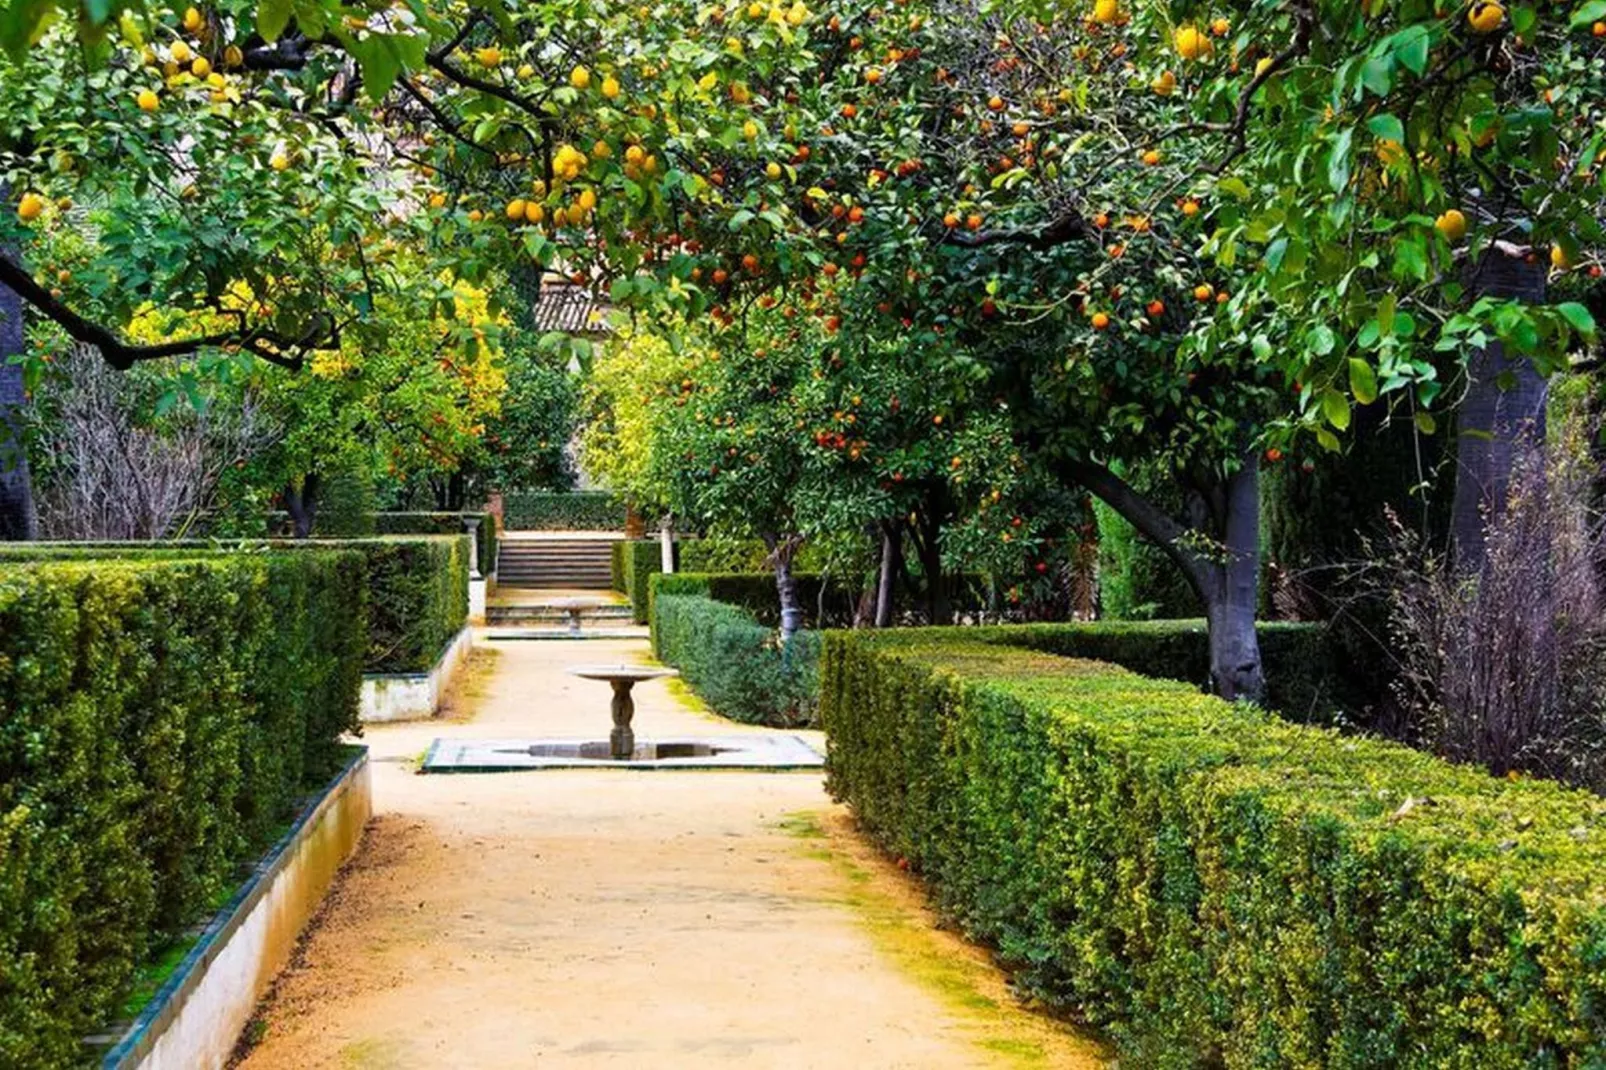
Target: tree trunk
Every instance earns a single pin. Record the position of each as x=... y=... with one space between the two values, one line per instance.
x=1495 y=418
x=18 y=519
x=302 y=505
x=1229 y=587
x=666 y=545
x=1495 y=421
x=1235 y=669
x=887 y=578
x=781 y=551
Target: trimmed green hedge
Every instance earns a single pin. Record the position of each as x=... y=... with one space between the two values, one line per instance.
x=443 y=524
x=1303 y=679
x=160 y=718
x=581 y=510
x=755 y=593
x=417 y=587
x=1217 y=887
x=635 y=563
x=737 y=665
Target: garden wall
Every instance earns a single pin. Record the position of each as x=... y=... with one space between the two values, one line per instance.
x=161 y=717
x=1213 y=885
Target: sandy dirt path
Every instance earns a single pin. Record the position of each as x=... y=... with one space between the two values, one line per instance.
x=618 y=919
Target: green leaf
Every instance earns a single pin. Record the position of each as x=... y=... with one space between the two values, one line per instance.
x=1576 y=315
x=1378 y=75
x=1594 y=11
x=1335 y=406
x=272 y=17
x=1387 y=127
x=1235 y=187
x=1425 y=423
x=1338 y=162
x=1411 y=48
x=1321 y=340
x=1362 y=382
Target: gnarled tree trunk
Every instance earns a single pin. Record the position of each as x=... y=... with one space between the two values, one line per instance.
x=890 y=537
x=1226 y=581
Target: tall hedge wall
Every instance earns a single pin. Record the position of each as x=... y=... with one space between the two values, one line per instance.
x=158 y=718
x=581 y=510
x=443 y=524
x=738 y=666
x=417 y=587
x=1217 y=887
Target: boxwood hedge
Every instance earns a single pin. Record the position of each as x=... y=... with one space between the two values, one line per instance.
x=738 y=666
x=443 y=524
x=417 y=588
x=580 y=510
x=1218 y=887
x=160 y=717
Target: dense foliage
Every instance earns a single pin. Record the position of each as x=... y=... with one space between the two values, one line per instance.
x=1212 y=885
x=581 y=510
x=161 y=718
x=416 y=589
x=737 y=665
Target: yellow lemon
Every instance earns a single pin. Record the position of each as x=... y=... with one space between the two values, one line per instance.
x=755 y=10
x=489 y=57
x=147 y=100
x=1486 y=16
x=232 y=56
x=1452 y=224
x=1192 y=43
x=192 y=19
x=515 y=209
x=588 y=199
x=30 y=207
x=181 y=52
x=526 y=71
x=772 y=169
x=200 y=68
x=1106 y=11
x=580 y=78
x=534 y=213
x=750 y=130
x=437 y=200
x=797 y=15
x=610 y=87
x=1164 y=85
x=1559 y=258
x=279 y=161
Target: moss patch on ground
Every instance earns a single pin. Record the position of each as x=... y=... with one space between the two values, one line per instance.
x=891 y=906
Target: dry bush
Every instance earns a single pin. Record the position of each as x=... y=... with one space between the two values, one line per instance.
x=1507 y=668
x=112 y=470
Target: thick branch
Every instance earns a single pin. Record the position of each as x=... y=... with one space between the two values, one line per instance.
x=122 y=355
x=1063 y=230
x=1152 y=523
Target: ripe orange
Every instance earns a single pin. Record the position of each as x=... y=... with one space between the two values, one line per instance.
x=1155 y=309
x=996 y=103
x=951 y=220
x=1190 y=207
x=1151 y=158
x=750 y=263
x=973 y=222
x=30 y=207
x=1203 y=292
x=1100 y=321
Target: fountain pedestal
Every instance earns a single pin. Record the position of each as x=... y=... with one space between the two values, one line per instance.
x=622 y=740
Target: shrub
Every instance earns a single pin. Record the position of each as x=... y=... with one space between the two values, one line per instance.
x=1304 y=681
x=582 y=510
x=1217 y=887
x=737 y=665
x=417 y=588
x=443 y=524
x=160 y=718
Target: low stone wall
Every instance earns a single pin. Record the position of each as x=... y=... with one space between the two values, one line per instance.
x=413 y=696
x=195 y=1021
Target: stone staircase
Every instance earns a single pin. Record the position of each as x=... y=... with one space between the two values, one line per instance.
x=572 y=564
x=553 y=614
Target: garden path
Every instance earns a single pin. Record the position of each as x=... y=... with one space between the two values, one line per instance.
x=617 y=919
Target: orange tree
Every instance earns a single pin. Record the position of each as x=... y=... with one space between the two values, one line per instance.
x=1377 y=189
x=1177 y=233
